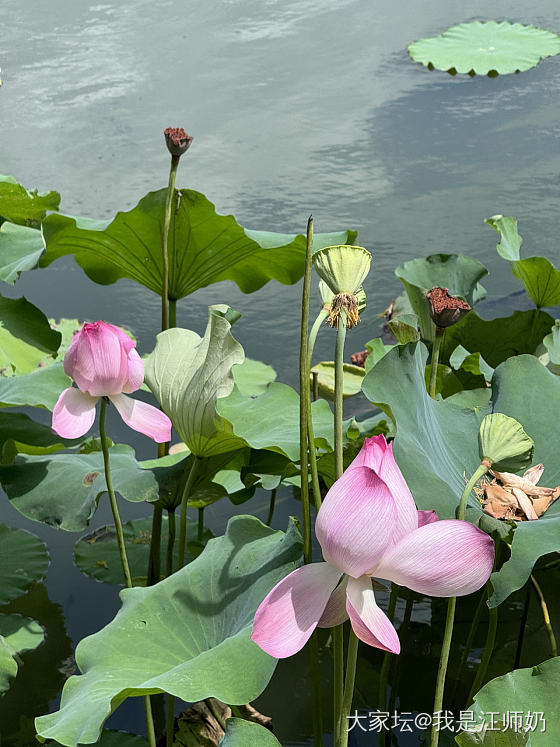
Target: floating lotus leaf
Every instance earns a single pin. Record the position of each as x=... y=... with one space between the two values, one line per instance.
x=204 y=247
x=188 y=374
x=97 y=554
x=25 y=336
x=352 y=379
x=17 y=634
x=206 y=610
x=486 y=48
x=436 y=445
x=63 y=489
x=531 y=691
x=242 y=733
x=252 y=377
x=457 y=272
x=18 y=205
x=23 y=561
x=271 y=421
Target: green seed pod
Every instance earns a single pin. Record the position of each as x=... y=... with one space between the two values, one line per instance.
x=343 y=269
x=504 y=443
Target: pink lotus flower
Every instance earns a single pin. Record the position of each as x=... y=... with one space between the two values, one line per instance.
x=103 y=362
x=368 y=526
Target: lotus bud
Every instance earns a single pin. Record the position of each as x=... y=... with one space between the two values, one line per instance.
x=177 y=141
x=343 y=269
x=504 y=444
x=446 y=310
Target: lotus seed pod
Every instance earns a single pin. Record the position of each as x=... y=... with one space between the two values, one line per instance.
x=343 y=269
x=446 y=310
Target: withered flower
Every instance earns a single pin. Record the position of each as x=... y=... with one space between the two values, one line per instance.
x=509 y=496
x=446 y=310
x=342 y=269
x=177 y=140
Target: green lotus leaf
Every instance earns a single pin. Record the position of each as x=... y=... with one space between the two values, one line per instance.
x=541 y=280
x=486 y=48
x=18 y=205
x=112 y=738
x=495 y=734
x=188 y=374
x=242 y=733
x=17 y=634
x=456 y=272
x=23 y=561
x=447 y=382
x=206 y=609
x=271 y=421
x=25 y=336
x=352 y=379
x=436 y=444
x=510 y=241
x=472 y=363
x=204 y=247
x=97 y=554
x=20 y=249
x=530 y=691
x=40 y=388
x=405 y=328
x=498 y=339
x=252 y=377
x=19 y=434
x=63 y=489
x=377 y=350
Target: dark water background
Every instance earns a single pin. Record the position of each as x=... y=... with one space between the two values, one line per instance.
x=297 y=107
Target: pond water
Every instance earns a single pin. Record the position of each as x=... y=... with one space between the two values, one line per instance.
x=297 y=107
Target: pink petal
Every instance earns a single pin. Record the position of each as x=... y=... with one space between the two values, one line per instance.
x=377 y=454
x=290 y=612
x=355 y=524
x=135 y=372
x=335 y=611
x=426 y=517
x=78 y=362
x=143 y=417
x=369 y=622
x=447 y=558
x=110 y=358
x=73 y=414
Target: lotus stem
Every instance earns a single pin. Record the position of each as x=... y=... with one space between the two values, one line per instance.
x=316 y=694
x=470 y=638
x=481 y=470
x=387 y=661
x=403 y=635
x=121 y=545
x=338 y=394
x=183 y=515
x=170 y=541
x=338 y=684
x=271 y=506
x=200 y=528
x=164 y=243
x=440 y=331
x=303 y=395
x=487 y=652
x=522 y=624
x=315 y=385
x=311 y=436
x=172 y=313
x=546 y=616
x=154 y=562
x=351 y=662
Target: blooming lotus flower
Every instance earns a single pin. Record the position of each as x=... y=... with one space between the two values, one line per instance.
x=103 y=362
x=368 y=526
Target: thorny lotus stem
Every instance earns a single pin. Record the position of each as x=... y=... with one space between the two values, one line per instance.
x=403 y=635
x=183 y=516
x=121 y=544
x=546 y=616
x=351 y=661
x=440 y=331
x=172 y=313
x=387 y=661
x=470 y=638
x=338 y=393
x=170 y=541
x=165 y=241
x=315 y=385
x=311 y=437
x=522 y=624
x=481 y=470
x=316 y=694
x=271 y=505
x=303 y=395
x=487 y=652
x=154 y=563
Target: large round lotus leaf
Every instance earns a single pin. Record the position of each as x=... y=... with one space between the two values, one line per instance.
x=20 y=249
x=17 y=634
x=23 y=561
x=97 y=554
x=25 y=336
x=189 y=635
x=204 y=247
x=252 y=377
x=352 y=380
x=486 y=47
x=63 y=489
x=242 y=733
x=534 y=692
x=436 y=445
x=24 y=207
